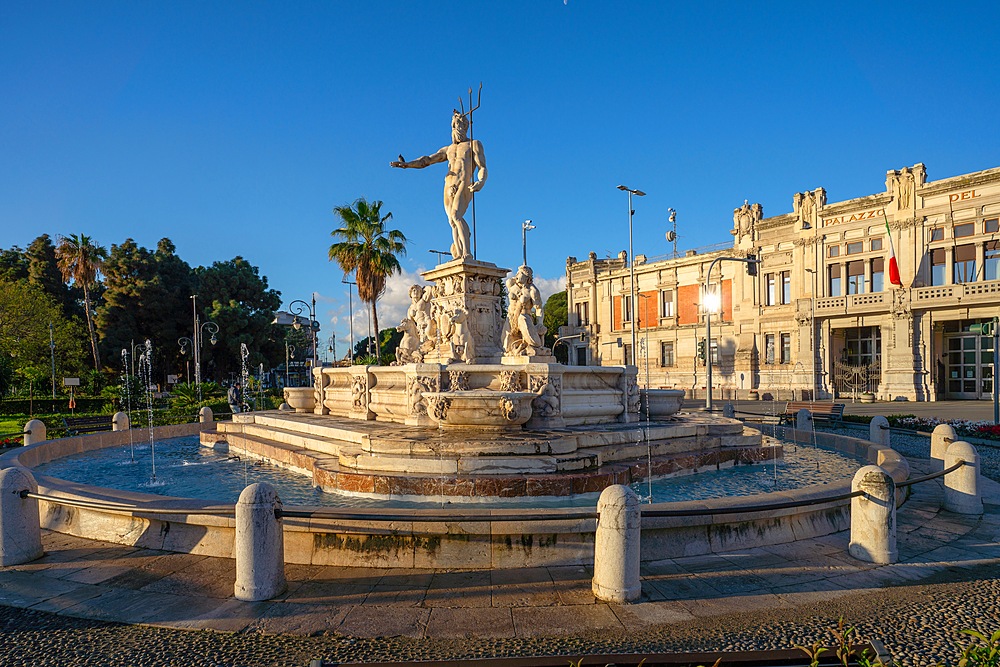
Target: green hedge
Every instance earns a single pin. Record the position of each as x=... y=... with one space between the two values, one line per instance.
x=22 y=406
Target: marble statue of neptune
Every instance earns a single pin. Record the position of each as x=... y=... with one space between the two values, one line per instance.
x=463 y=157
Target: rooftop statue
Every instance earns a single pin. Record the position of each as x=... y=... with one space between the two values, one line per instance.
x=463 y=156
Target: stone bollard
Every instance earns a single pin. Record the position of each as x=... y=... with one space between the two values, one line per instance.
x=729 y=411
x=616 y=546
x=803 y=420
x=961 y=488
x=878 y=431
x=873 y=517
x=34 y=431
x=120 y=422
x=260 y=544
x=20 y=535
x=941 y=438
x=205 y=415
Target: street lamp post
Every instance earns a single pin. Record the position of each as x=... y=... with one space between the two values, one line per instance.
x=708 y=319
x=296 y=308
x=526 y=227
x=350 y=315
x=812 y=333
x=196 y=341
x=631 y=261
x=52 y=350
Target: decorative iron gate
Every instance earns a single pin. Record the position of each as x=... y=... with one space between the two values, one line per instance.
x=854 y=380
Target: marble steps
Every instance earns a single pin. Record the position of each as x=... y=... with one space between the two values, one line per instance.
x=285 y=455
x=294 y=438
x=358 y=460
x=324 y=428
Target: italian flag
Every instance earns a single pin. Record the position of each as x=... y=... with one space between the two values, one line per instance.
x=893 y=266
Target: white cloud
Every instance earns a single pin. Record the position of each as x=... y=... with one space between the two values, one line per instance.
x=549 y=286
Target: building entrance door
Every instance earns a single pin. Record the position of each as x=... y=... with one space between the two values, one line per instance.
x=970 y=367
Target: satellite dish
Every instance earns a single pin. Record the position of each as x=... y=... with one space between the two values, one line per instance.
x=671 y=236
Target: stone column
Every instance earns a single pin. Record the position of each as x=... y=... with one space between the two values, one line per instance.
x=545 y=380
x=941 y=438
x=803 y=420
x=961 y=487
x=206 y=417
x=34 y=431
x=361 y=386
x=20 y=535
x=628 y=384
x=873 y=517
x=420 y=379
x=878 y=431
x=120 y=422
x=616 y=546
x=260 y=544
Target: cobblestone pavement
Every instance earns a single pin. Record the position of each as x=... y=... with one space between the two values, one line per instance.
x=771 y=597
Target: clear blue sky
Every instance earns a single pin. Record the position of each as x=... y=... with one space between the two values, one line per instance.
x=234 y=128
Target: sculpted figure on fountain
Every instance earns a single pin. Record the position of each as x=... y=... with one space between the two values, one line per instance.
x=462 y=344
x=523 y=332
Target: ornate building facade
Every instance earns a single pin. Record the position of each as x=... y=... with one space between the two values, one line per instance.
x=820 y=318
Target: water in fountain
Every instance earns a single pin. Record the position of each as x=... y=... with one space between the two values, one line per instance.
x=260 y=386
x=126 y=381
x=245 y=402
x=146 y=374
x=244 y=378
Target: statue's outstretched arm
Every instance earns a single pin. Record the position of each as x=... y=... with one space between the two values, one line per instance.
x=480 y=158
x=421 y=162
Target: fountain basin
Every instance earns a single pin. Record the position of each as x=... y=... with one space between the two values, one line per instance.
x=466 y=538
x=480 y=409
x=301 y=399
x=660 y=403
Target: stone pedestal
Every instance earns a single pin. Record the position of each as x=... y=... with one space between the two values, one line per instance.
x=477 y=288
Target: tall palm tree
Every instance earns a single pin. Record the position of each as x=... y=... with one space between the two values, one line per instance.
x=80 y=260
x=366 y=247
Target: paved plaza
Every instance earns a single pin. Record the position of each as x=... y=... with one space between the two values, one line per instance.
x=698 y=603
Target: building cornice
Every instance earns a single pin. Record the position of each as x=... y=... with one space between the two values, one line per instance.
x=870 y=201
x=986 y=177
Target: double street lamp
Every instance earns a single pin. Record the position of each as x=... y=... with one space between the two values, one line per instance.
x=197 y=339
x=631 y=261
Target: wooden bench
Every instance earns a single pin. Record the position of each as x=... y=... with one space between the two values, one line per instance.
x=821 y=411
x=80 y=425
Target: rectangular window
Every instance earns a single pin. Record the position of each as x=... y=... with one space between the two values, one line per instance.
x=833 y=251
x=991 y=226
x=769 y=349
x=667 y=304
x=786 y=287
x=937 y=266
x=937 y=234
x=626 y=308
x=834 y=274
x=769 y=295
x=856 y=277
x=667 y=353
x=965 y=263
x=581 y=356
x=627 y=354
x=715 y=352
x=855 y=248
x=583 y=313
x=878 y=274
x=968 y=229
x=876 y=244
x=786 y=348
x=991 y=262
